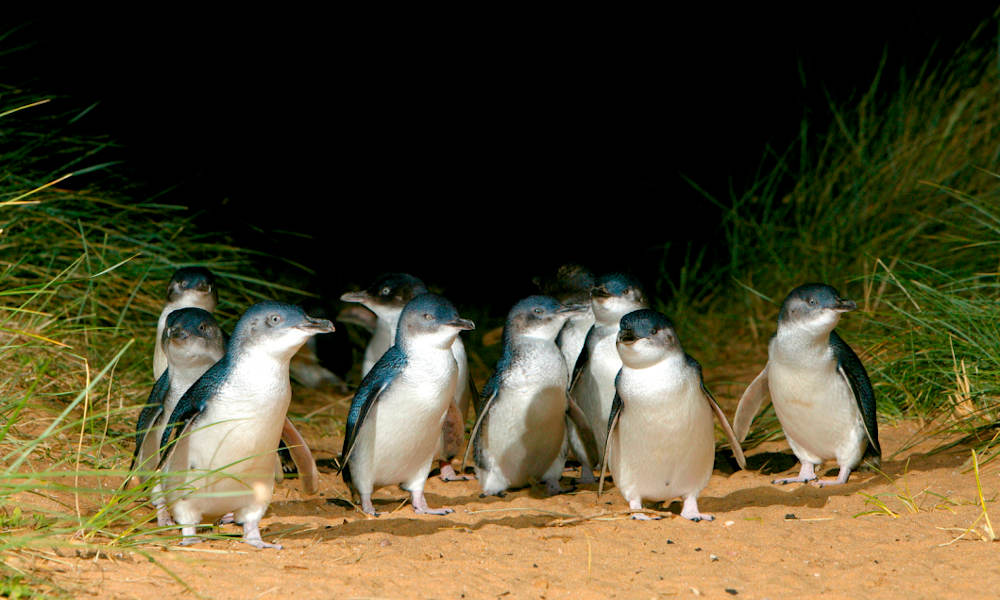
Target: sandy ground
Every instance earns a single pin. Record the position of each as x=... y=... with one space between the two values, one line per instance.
x=766 y=541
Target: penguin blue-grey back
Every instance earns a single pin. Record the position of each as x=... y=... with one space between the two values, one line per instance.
x=660 y=439
x=520 y=434
x=820 y=390
x=394 y=423
x=230 y=420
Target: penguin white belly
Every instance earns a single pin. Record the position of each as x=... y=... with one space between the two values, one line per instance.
x=573 y=336
x=382 y=339
x=525 y=432
x=818 y=412
x=400 y=439
x=595 y=391
x=664 y=444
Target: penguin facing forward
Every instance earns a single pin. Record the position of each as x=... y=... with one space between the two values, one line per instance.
x=386 y=297
x=820 y=390
x=394 y=423
x=189 y=286
x=660 y=437
x=593 y=383
x=520 y=435
x=229 y=422
x=192 y=342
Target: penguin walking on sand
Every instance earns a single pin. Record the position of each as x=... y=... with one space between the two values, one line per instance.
x=196 y=287
x=520 y=435
x=820 y=390
x=229 y=422
x=394 y=423
x=386 y=297
x=593 y=383
x=191 y=343
x=660 y=437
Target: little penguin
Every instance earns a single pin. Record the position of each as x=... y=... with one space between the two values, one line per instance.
x=820 y=390
x=196 y=287
x=386 y=297
x=394 y=423
x=571 y=285
x=520 y=435
x=593 y=381
x=229 y=422
x=192 y=342
x=660 y=435
x=189 y=286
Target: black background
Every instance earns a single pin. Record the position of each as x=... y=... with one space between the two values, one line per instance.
x=474 y=150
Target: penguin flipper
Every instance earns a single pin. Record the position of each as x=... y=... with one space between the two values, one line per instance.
x=586 y=434
x=150 y=413
x=750 y=403
x=856 y=376
x=721 y=416
x=490 y=393
x=305 y=464
x=375 y=382
x=616 y=412
x=584 y=357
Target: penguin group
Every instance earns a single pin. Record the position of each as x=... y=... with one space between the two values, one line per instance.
x=587 y=371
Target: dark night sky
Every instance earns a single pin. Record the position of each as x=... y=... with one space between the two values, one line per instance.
x=467 y=146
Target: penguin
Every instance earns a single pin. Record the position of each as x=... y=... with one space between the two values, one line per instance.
x=820 y=390
x=660 y=438
x=394 y=423
x=386 y=297
x=196 y=287
x=571 y=285
x=229 y=422
x=593 y=385
x=192 y=342
x=520 y=434
x=189 y=286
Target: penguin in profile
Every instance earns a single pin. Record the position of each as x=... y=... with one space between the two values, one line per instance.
x=394 y=423
x=520 y=435
x=593 y=384
x=229 y=422
x=571 y=285
x=196 y=287
x=660 y=437
x=191 y=342
x=188 y=287
x=820 y=390
x=386 y=297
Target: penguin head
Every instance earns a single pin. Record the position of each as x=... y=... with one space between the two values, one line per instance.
x=646 y=337
x=192 y=338
x=388 y=294
x=430 y=320
x=571 y=285
x=615 y=295
x=193 y=286
x=277 y=329
x=815 y=307
x=539 y=317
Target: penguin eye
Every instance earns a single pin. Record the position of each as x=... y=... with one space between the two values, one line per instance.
x=273 y=319
x=538 y=310
x=654 y=331
x=428 y=316
x=812 y=302
x=386 y=291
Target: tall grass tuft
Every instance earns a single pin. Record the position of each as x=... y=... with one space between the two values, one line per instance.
x=82 y=278
x=897 y=204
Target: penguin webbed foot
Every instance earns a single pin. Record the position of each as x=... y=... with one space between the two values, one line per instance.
x=500 y=494
x=190 y=540
x=448 y=473
x=842 y=477
x=806 y=474
x=554 y=488
x=645 y=517
x=420 y=505
x=691 y=513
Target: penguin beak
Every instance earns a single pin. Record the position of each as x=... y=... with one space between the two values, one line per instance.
x=627 y=336
x=600 y=292
x=317 y=326
x=463 y=324
x=843 y=305
x=572 y=309
x=353 y=296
